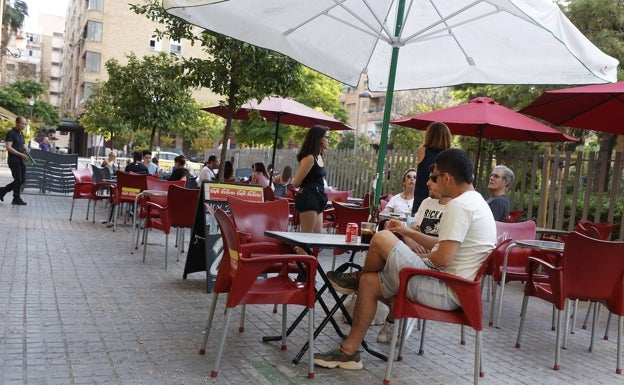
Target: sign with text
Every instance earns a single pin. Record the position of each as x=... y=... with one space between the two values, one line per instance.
x=216 y=191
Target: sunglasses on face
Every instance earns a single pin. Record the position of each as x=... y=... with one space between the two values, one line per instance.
x=410 y=176
x=434 y=177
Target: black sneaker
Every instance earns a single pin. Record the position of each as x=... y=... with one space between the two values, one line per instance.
x=345 y=283
x=18 y=202
x=338 y=358
x=2 y=194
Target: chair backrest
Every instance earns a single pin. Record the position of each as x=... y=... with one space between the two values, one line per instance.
x=604 y=229
x=268 y=194
x=231 y=244
x=152 y=183
x=366 y=201
x=181 y=205
x=517 y=256
x=100 y=173
x=338 y=196
x=256 y=217
x=280 y=189
x=129 y=186
x=82 y=175
x=513 y=216
x=593 y=270
x=345 y=214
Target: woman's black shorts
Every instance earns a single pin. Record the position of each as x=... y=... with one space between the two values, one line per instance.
x=311 y=198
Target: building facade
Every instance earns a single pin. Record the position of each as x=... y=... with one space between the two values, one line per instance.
x=99 y=30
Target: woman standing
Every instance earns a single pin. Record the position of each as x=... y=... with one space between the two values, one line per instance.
x=311 y=199
x=437 y=138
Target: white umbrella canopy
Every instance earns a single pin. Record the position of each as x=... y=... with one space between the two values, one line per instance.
x=441 y=42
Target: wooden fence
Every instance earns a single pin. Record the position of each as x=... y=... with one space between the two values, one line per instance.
x=554 y=189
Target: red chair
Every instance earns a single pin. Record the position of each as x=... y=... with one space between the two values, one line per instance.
x=84 y=188
x=239 y=278
x=344 y=215
x=140 y=203
x=513 y=216
x=338 y=196
x=253 y=218
x=181 y=205
x=469 y=314
x=590 y=269
x=268 y=193
x=127 y=188
x=514 y=260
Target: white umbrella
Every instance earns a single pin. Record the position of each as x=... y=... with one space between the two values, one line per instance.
x=441 y=42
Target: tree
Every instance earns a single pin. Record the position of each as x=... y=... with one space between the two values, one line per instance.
x=13 y=19
x=151 y=94
x=235 y=69
x=102 y=116
x=15 y=97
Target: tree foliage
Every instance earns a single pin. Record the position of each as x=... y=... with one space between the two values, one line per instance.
x=15 y=98
x=102 y=116
x=151 y=94
x=15 y=13
x=234 y=69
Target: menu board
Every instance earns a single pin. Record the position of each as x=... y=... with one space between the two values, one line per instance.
x=206 y=246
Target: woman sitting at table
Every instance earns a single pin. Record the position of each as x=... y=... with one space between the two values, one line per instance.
x=283 y=181
x=402 y=203
x=260 y=176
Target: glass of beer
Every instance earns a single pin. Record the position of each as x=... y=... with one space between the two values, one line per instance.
x=367 y=231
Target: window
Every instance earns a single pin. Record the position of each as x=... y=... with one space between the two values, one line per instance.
x=96 y=5
x=88 y=90
x=92 y=62
x=155 y=44
x=32 y=38
x=94 y=31
x=57 y=34
x=175 y=47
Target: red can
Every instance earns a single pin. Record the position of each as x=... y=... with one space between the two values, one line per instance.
x=351 y=233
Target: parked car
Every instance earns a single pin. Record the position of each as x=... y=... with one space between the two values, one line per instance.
x=166 y=161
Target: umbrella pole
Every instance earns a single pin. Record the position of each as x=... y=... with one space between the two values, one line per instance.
x=383 y=143
x=476 y=165
x=277 y=122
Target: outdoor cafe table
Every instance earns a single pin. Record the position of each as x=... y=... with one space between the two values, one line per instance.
x=309 y=241
x=556 y=232
x=535 y=244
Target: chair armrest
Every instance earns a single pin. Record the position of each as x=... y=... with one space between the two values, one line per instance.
x=462 y=287
x=545 y=280
x=161 y=212
x=256 y=248
x=243 y=237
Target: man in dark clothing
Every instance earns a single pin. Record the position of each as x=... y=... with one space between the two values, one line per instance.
x=16 y=146
x=179 y=172
x=137 y=165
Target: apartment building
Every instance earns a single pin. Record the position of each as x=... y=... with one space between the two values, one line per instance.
x=99 y=30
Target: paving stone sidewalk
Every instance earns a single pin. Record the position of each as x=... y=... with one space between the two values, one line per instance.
x=77 y=307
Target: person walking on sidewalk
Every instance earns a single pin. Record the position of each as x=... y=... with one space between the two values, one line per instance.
x=16 y=146
x=467 y=235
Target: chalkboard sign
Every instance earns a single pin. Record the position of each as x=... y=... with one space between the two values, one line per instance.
x=206 y=247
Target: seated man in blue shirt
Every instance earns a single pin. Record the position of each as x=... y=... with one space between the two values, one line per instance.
x=501 y=181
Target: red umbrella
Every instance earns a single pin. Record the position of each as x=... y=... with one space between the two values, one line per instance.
x=596 y=107
x=485 y=118
x=281 y=110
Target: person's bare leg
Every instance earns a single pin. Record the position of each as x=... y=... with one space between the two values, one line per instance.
x=308 y=222
x=380 y=246
x=365 y=307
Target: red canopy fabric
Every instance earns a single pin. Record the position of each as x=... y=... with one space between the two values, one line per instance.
x=484 y=118
x=595 y=107
x=286 y=111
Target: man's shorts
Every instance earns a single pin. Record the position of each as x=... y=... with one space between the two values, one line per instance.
x=428 y=291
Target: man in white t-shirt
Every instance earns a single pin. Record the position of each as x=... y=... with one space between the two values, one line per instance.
x=207 y=172
x=467 y=235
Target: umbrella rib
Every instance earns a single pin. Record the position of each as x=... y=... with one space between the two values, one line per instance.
x=370 y=30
